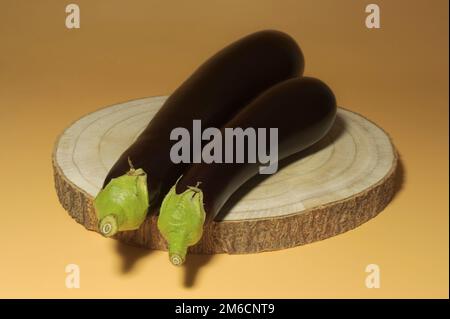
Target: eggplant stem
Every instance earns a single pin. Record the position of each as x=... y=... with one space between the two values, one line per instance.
x=177 y=250
x=108 y=226
x=176 y=260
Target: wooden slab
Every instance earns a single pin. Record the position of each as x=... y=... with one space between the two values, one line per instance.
x=338 y=184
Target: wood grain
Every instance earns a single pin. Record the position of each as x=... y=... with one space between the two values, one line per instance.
x=338 y=184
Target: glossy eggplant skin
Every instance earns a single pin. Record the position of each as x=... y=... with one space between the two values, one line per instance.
x=302 y=109
x=214 y=93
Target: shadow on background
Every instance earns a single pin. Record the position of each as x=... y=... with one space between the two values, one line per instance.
x=399 y=180
x=130 y=255
x=192 y=266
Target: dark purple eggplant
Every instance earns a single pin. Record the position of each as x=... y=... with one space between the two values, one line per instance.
x=303 y=110
x=214 y=93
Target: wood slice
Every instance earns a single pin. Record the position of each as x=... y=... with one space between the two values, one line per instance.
x=338 y=184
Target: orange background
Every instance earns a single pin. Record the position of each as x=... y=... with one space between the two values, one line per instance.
x=396 y=76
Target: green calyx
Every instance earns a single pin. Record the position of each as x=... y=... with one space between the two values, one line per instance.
x=123 y=203
x=181 y=220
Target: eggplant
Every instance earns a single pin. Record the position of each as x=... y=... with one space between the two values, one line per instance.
x=302 y=109
x=214 y=93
